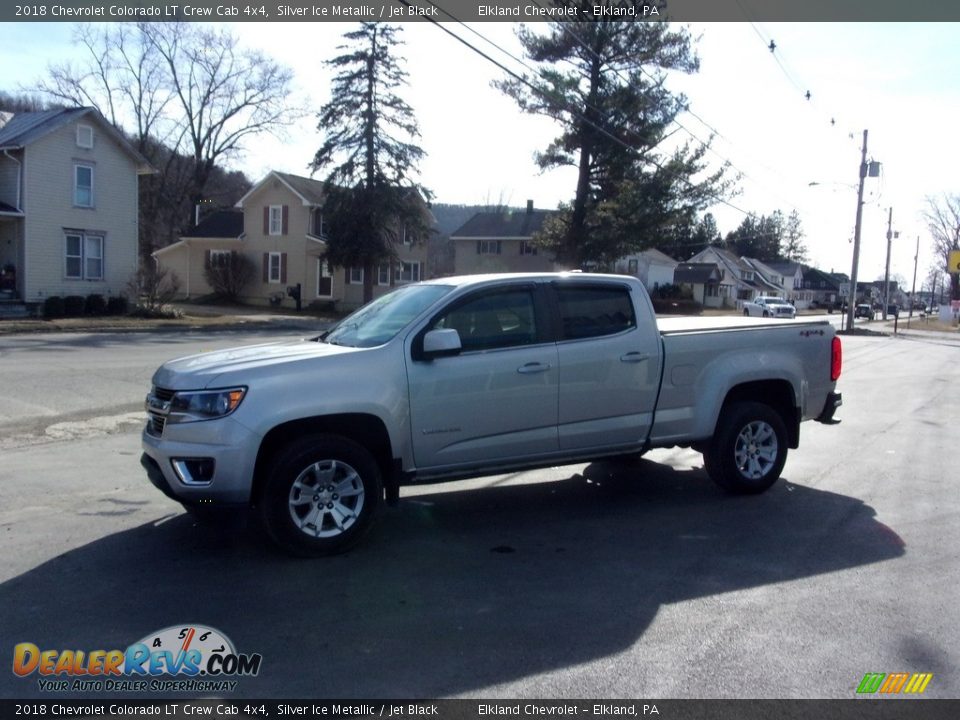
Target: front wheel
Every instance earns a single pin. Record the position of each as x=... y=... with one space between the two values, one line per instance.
x=749 y=448
x=321 y=495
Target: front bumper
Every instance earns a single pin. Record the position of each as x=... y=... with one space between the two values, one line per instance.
x=231 y=447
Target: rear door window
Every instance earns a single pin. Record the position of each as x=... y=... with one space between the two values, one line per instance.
x=588 y=311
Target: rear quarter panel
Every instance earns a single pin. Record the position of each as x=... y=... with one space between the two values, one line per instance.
x=704 y=358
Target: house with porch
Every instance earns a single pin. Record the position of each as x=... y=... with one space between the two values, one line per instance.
x=279 y=225
x=739 y=281
x=704 y=283
x=68 y=205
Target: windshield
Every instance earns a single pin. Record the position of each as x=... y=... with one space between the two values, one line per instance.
x=379 y=321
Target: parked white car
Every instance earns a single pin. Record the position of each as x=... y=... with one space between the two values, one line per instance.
x=769 y=306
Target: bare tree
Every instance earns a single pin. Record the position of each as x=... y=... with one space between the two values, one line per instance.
x=229 y=274
x=223 y=94
x=943 y=220
x=192 y=97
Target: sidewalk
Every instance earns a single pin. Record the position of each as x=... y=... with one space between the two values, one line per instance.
x=917 y=331
x=195 y=317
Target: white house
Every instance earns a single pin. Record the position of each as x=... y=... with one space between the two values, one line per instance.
x=68 y=204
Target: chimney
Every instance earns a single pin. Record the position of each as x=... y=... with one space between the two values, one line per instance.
x=529 y=206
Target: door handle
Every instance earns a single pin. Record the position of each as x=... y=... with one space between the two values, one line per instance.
x=634 y=357
x=533 y=367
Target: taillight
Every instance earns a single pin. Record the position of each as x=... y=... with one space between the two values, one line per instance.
x=836 y=359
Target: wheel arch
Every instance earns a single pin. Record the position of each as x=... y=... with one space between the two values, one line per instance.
x=778 y=394
x=364 y=429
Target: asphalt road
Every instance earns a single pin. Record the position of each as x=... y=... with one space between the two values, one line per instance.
x=603 y=580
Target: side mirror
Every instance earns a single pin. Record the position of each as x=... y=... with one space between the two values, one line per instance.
x=441 y=343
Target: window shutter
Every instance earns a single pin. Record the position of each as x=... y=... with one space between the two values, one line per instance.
x=498 y=247
x=283 y=257
x=266 y=267
x=285 y=221
x=478 y=247
x=206 y=259
x=266 y=220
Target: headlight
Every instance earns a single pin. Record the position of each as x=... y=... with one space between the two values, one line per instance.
x=194 y=405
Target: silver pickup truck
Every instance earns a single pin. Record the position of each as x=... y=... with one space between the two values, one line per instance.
x=476 y=375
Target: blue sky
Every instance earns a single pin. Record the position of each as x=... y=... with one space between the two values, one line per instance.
x=899 y=80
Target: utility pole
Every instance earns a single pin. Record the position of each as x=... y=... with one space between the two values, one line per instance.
x=886 y=273
x=913 y=289
x=852 y=300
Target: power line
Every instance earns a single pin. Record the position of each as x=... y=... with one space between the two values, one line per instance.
x=572 y=113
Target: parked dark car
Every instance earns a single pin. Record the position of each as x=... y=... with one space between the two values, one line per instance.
x=893 y=311
x=863 y=310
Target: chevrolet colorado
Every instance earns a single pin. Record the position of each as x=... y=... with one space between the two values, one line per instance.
x=475 y=375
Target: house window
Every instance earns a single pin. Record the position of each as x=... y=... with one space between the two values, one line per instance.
x=528 y=248
x=488 y=247
x=84 y=136
x=275 y=268
x=219 y=258
x=383 y=274
x=276 y=220
x=83 y=256
x=355 y=275
x=406 y=272
x=319 y=226
x=83 y=186
x=406 y=237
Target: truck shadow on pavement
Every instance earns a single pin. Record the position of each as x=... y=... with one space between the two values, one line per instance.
x=452 y=592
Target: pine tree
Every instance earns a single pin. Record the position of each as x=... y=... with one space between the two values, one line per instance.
x=793 y=248
x=369 y=155
x=603 y=82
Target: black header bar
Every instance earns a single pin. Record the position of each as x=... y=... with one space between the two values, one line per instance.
x=402 y=11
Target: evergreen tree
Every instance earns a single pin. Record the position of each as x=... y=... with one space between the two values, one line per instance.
x=758 y=237
x=371 y=196
x=793 y=248
x=603 y=82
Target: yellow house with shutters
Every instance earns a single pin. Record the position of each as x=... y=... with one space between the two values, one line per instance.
x=279 y=225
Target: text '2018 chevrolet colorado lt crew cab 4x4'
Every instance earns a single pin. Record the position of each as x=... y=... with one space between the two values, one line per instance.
x=471 y=376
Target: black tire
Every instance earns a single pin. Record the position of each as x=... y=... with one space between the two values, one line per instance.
x=746 y=313
x=343 y=491
x=766 y=314
x=749 y=448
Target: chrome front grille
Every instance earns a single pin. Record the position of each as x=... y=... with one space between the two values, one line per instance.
x=158 y=406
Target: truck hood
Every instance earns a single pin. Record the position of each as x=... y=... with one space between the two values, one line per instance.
x=236 y=365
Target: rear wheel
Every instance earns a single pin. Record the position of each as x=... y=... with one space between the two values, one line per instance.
x=321 y=495
x=746 y=313
x=748 y=449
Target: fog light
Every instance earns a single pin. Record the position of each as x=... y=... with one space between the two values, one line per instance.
x=194 y=471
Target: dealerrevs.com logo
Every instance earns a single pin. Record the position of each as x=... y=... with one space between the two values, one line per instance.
x=188 y=658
